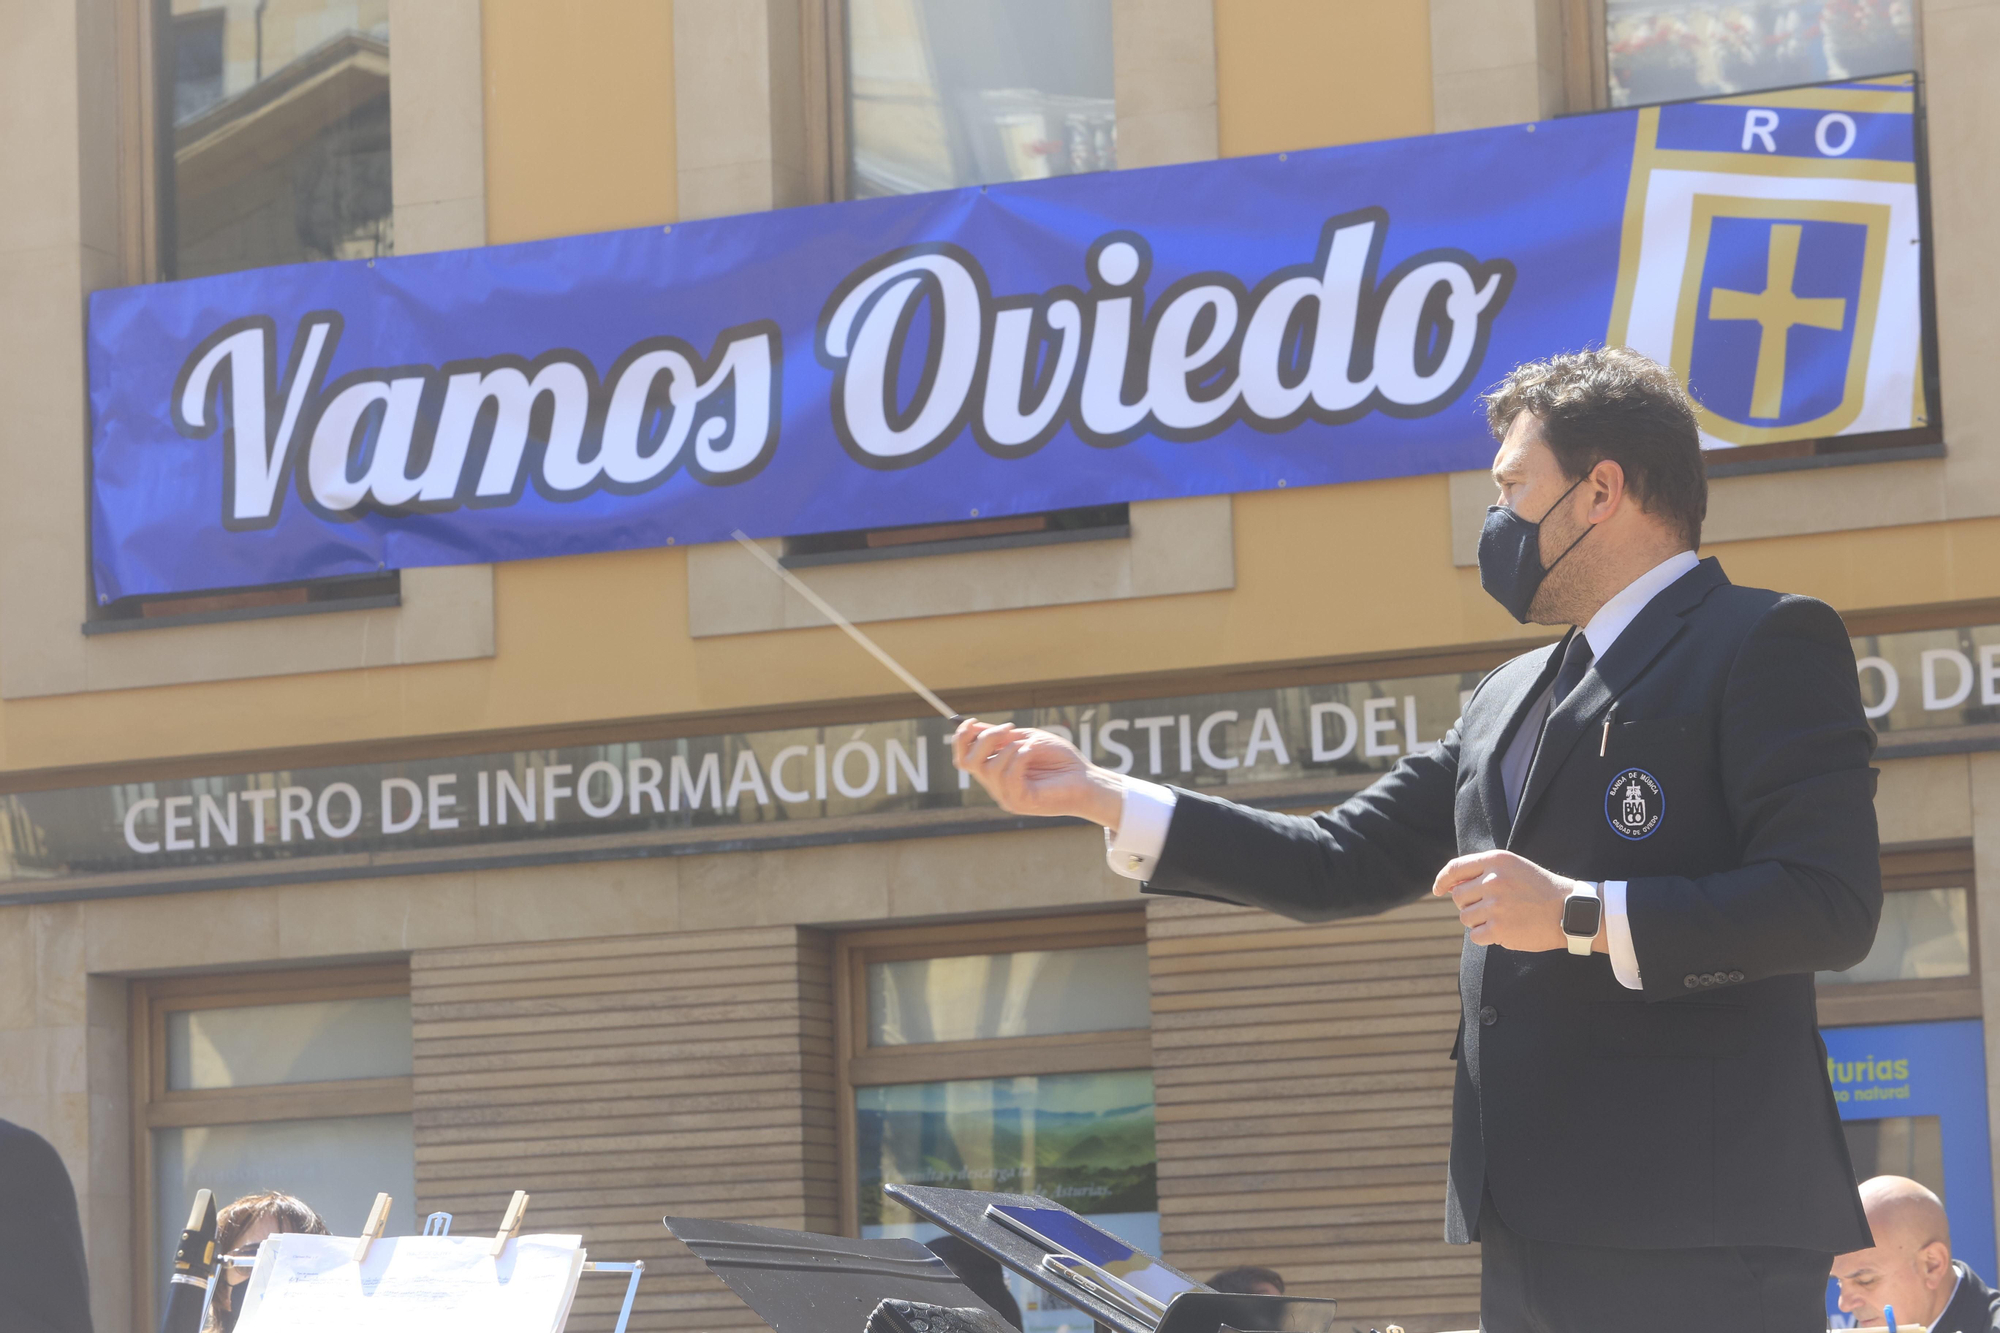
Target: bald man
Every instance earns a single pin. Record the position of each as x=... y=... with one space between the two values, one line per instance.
x=1910 y=1269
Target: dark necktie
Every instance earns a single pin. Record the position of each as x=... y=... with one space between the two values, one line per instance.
x=1576 y=660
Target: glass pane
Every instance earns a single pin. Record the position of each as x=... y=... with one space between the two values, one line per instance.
x=1658 y=51
x=276 y=133
x=1923 y=936
x=319 y=1041
x=1036 y=993
x=336 y=1166
x=1904 y=1145
x=970 y=92
x=1085 y=1140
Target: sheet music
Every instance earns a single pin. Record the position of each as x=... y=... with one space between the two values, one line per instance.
x=412 y=1284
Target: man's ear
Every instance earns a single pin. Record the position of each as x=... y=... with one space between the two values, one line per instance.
x=1934 y=1260
x=1607 y=487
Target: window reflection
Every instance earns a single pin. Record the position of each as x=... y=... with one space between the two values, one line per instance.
x=1034 y=993
x=1657 y=52
x=1924 y=936
x=336 y=1164
x=316 y=1041
x=969 y=92
x=276 y=143
x=1085 y=1140
x=1911 y=1146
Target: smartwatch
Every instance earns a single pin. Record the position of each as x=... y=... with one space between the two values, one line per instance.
x=1583 y=913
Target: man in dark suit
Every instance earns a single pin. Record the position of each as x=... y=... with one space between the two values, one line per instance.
x=1655 y=831
x=1909 y=1268
x=43 y=1285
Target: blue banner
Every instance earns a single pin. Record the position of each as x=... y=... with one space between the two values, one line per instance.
x=1239 y=325
x=1921 y=1087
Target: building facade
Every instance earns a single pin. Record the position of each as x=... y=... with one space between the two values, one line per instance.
x=767 y=1004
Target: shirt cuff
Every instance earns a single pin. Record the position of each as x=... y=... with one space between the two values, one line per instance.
x=1618 y=933
x=1133 y=848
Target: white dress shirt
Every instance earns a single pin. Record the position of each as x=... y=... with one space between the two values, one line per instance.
x=1133 y=848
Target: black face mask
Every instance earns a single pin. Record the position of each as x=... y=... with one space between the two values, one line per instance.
x=1510 y=556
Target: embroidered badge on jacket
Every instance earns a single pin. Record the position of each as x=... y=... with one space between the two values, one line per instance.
x=1634 y=804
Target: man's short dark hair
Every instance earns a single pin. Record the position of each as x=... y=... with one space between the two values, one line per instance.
x=1611 y=402
x=1245 y=1281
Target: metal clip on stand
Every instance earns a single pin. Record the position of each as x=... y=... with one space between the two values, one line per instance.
x=439 y=1224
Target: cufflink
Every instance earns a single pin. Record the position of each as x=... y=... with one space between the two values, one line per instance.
x=1133 y=861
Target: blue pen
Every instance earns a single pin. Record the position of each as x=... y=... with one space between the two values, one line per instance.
x=1889 y=1317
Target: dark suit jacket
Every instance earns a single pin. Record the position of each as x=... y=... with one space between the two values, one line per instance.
x=43 y=1285
x=1974 y=1309
x=1694 y=1112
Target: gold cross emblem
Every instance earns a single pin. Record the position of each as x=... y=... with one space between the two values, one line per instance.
x=1777 y=309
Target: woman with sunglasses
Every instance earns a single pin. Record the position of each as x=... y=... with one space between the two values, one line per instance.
x=239 y=1230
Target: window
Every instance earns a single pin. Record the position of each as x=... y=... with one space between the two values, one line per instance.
x=296 y=1081
x=1904 y=1145
x=1923 y=965
x=1013 y=1058
x=357 y=593
x=1661 y=50
x=942 y=93
x=1090 y=523
x=273 y=133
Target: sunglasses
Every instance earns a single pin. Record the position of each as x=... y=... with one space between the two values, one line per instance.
x=242 y=1252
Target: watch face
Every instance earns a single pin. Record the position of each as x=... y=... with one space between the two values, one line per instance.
x=1581 y=915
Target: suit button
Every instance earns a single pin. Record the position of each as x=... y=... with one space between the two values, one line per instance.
x=1736 y=978
x=1690 y=981
x=1710 y=978
x=1489 y=1015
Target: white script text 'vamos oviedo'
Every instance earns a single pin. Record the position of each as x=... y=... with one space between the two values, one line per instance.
x=919 y=348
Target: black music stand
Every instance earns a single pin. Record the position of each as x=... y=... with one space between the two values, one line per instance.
x=802 y=1282
x=1196 y=1310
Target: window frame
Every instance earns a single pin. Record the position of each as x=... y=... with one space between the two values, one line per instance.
x=823 y=55
x=857 y=1065
x=143 y=84
x=155 y=1107
x=1918 y=1001
x=1002 y=532
x=139 y=80
x=1586 y=65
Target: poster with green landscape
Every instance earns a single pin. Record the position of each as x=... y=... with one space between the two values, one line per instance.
x=1084 y=1140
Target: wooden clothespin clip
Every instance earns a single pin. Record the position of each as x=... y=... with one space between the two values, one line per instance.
x=510 y=1225
x=378 y=1221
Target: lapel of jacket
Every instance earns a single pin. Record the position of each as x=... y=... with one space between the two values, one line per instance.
x=1643 y=640
x=1492 y=786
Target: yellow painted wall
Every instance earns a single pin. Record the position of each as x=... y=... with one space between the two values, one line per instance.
x=1308 y=73
x=1325 y=571
x=579 y=117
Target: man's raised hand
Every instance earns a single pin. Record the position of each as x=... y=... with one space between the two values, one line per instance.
x=1028 y=771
